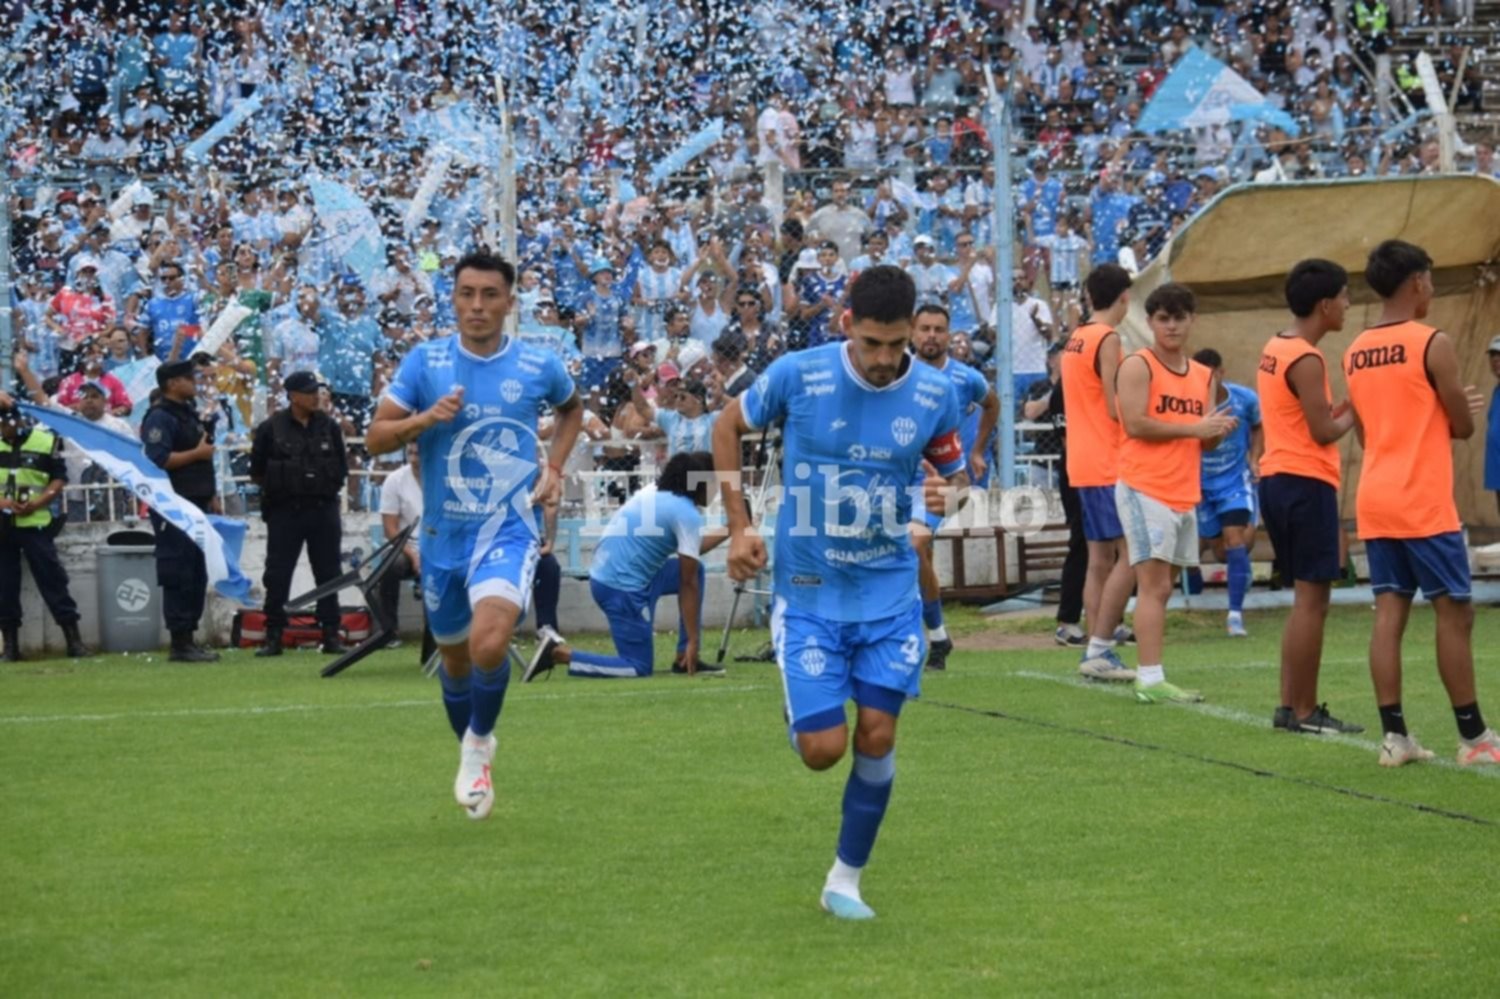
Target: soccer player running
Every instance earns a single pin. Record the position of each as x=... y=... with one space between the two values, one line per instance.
x=1409 y=404
x=653 y=546
x=1226 y=514
x=931 y=339
x=1300 y=482
x=1166 y=402
x=470 y=402
x=860 y=417
x=1090 y=359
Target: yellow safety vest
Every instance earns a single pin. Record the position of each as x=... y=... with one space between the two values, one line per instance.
x=25 y=476
x=1371 y=20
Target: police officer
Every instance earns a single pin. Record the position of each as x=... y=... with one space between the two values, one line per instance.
x=299 y=461
x=180 y=442
x=32 y=473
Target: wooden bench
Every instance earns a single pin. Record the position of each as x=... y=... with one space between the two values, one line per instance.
x=1045 y=550
x=963 y=590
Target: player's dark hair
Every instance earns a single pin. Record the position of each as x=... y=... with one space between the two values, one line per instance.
x=1209 y=358
x=1176 y=300
x=1391 y=263
x=1312 y=281
x=482 y=261
x=934 y=308
x=729 y=346
x=688 y=473
x=883 y=294
x=1105 y=284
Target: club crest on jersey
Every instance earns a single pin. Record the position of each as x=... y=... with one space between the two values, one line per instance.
x=904 y=429
x=510 y=391
x=812 y=660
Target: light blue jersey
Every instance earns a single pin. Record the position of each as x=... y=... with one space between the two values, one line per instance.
x=477 y=471
x=1227 y=467
x=683 y=434
x=850 y=453
x=649 y=529
x=970 y=389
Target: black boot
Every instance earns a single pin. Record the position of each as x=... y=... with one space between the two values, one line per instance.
x=272 y=646
x=332 y=644
x=76 y=648
x=12 y=651
x=184 y=651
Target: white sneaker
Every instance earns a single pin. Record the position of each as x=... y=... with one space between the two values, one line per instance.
x=1106 y=666
x=1397 y=750
x=1235 y=625
x=1481 y=752
x=472 y=787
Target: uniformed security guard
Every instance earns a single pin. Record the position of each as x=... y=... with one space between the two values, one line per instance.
x=32 y=473
x=298 y=459
x=179 y=441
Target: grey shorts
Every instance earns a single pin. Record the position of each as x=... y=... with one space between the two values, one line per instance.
x=1154 y=530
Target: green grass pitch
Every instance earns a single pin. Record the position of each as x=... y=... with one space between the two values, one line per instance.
x=247 y=828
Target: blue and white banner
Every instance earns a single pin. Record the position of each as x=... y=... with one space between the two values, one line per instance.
x=354 y=237
x=199 y=148
x=1201 y=91
x=124 y=458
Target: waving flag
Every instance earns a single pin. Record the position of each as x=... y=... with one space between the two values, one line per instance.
x=695 y=145
x=124 y=458
x=353 y=236
x=463 y=132
x=199 y=148
x=139 y=378
x=1202 y=91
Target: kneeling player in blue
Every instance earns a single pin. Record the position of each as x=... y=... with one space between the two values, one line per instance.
x=975 y=398
x=860 y=417
x=1227 y=512
x=651 y=547
x=471 y=403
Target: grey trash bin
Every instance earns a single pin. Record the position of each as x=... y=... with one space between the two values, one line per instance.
x=129 y=599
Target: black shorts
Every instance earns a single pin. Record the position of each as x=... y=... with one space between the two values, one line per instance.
x=1301 y=515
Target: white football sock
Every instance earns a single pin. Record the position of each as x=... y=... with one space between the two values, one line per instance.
x=843 y=879
x=1099 y=646
x=1150 y=676
x=938 y=634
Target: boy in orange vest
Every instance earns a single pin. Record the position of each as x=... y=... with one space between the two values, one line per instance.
x=1166 y=409
x=1409 y=404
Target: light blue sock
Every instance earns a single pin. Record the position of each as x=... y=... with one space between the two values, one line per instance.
x=489 y=697
x=457 y=700
x=932 y=614
x=865 y=797
x=1238 y=562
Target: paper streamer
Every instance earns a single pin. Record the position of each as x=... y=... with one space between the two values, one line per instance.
x=696 y=145
x=432 y=179
x=120 y=207
x=227 y=322
x=199 y=148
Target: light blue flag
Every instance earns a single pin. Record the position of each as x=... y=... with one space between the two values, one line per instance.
x=1202 y=91
x=695 y=146
x=464 y=131
x=139 y=378
x=353 y=235
x=124 y=458
x=199 y=148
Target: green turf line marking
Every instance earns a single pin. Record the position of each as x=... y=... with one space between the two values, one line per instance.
x=254 y=711
x=1211 y=761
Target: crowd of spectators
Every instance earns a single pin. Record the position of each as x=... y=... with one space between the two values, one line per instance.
x=853 y=134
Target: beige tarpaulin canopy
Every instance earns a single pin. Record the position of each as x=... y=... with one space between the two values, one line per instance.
x=1235 y=255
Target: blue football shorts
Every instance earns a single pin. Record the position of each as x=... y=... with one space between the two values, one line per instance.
x=825 y=664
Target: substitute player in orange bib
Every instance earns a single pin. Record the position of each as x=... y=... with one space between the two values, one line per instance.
x=1409 y=404
x=1166 y=409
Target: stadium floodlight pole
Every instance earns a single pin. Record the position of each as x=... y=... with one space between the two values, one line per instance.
x=1447 y=127
x=1003 y=227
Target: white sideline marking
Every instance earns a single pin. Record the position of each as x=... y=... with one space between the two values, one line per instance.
x=282 y=709
x=1239 y=717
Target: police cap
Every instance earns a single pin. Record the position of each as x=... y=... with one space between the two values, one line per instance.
x=302 y=381
x=176 y=369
